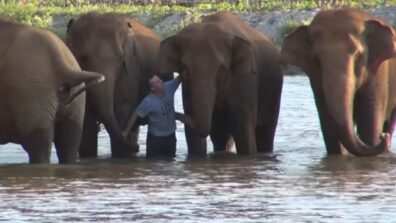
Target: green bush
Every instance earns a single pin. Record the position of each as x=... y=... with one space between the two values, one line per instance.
x=40 y=13
x=29 y=14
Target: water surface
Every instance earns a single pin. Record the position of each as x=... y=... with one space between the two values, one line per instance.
x=297 y=183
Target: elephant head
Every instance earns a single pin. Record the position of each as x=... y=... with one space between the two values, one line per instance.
x=118 y=47
x=102 y=43
x=343 y=52
x=208 y=57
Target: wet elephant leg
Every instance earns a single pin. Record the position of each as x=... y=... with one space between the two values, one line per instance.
x=89 y=139
x=265 y=138
x=330 y=136
x=196 y=144
x=67 y=140
x=220 y=133
x=243 y=132
x=389 y=125
x=38 y=145
x=133 y=139
x=369 y=115
x=120 y=146
x=121 y=114
x=328 y=125
x=121 y=150
x=268 y=115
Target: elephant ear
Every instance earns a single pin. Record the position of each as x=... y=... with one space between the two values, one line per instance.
x=69 y=24
x=243 y=60
x=129 y=51
x=169 y=55
x=297 y=48
x=380 y=40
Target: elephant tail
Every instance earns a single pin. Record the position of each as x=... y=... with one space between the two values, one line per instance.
x=76 y=77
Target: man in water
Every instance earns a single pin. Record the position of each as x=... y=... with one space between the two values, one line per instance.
x=159 y=107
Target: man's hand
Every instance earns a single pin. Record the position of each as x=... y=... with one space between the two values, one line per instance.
x=130 y=124
x=185 y=119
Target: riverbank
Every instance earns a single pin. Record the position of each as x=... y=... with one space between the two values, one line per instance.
x=275 y=23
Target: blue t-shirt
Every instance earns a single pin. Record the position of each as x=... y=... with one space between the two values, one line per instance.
x=161 y=111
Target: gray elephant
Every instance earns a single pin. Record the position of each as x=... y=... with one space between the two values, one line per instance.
x=348 y=56
x=42 y=94
x=126 y=52
x=231 y=83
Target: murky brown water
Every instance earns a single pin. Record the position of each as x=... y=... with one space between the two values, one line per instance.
x=298 y=183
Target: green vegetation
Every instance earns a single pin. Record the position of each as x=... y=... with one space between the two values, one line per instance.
x=41 y=13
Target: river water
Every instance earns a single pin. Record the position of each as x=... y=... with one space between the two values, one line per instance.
x=297 y=183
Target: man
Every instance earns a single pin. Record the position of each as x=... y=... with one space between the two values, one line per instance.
x=158 y=106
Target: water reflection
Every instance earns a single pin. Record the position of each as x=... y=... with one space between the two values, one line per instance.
x=298 y=183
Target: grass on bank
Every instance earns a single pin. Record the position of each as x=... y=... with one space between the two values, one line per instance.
x=39 y=15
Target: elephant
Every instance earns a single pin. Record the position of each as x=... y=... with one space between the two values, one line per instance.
x=348 y=56
x=231 y=83
x=126 y=52
x=42 y=93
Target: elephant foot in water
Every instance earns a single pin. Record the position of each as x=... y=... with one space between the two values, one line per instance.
x=385 y=137
x=124 y=151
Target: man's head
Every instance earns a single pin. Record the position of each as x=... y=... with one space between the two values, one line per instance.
x=156 y=84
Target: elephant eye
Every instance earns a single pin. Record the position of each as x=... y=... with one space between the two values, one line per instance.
x=64 y=90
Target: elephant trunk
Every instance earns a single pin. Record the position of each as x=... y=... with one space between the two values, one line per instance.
x=203 y=100
x=339 y=96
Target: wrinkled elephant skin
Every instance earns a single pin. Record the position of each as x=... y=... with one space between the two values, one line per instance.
x=42 y=94
x=126 y=53
x=349 y=57
x=231 y=83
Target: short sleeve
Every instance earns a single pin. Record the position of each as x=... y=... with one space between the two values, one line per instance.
x=144 y=108
x=172 y=85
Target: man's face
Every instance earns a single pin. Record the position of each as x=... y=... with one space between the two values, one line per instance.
x=156 y=83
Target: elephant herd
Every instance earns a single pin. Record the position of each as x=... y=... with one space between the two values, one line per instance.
x=56 y=92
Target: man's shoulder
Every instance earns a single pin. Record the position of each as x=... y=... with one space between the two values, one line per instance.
x=149 y=99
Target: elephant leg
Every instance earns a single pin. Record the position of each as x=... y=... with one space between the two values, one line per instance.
x=120 y=147
x=196 y=145
x=328 y=125
x=243 y=132
x=38 y=145
x=265 y=138
x=121 y=114
x=268 y=115
x=329 y=132
x=220 y=134
x=67 y=140
x=369 y=118
x=389 y=125
x=133 y=139
x=89 y=139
